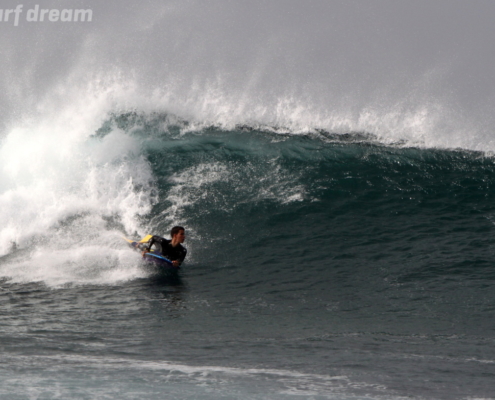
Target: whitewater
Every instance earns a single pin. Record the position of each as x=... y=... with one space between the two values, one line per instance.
x=332 y=164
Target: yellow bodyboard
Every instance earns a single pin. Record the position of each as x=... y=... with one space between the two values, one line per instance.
x=146 y=239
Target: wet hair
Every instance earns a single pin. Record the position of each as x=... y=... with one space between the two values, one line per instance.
x=175 y=230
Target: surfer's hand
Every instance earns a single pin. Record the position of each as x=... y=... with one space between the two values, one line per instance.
x=175 y=263
x=144 y=252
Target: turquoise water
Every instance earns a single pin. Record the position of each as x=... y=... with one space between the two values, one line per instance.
x=319 y=266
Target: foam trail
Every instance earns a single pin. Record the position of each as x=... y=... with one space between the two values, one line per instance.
x=248 y=382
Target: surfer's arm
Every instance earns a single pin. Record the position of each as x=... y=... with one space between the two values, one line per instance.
x=151 y=242
x=147 y=250
x=180 y=260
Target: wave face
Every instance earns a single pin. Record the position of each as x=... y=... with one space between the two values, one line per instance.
x=332 y=163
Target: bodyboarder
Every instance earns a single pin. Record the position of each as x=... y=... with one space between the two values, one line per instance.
x=171 y=249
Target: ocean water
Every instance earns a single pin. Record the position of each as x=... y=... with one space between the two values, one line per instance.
x=319 y=266
x=332 y=164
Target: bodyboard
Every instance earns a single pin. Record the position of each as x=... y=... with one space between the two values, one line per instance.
x=151 y=256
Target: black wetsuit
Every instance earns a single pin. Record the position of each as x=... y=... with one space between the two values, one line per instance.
x=165 y=247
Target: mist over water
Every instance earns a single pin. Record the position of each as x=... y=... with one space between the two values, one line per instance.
x=418 y=72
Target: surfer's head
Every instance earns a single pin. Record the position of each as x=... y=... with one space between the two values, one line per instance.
x=178 y=231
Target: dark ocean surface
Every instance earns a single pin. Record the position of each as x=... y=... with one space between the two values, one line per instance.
x=319 y=266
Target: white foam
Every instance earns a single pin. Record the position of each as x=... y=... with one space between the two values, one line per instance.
x=89 y=264
x=64 y=191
